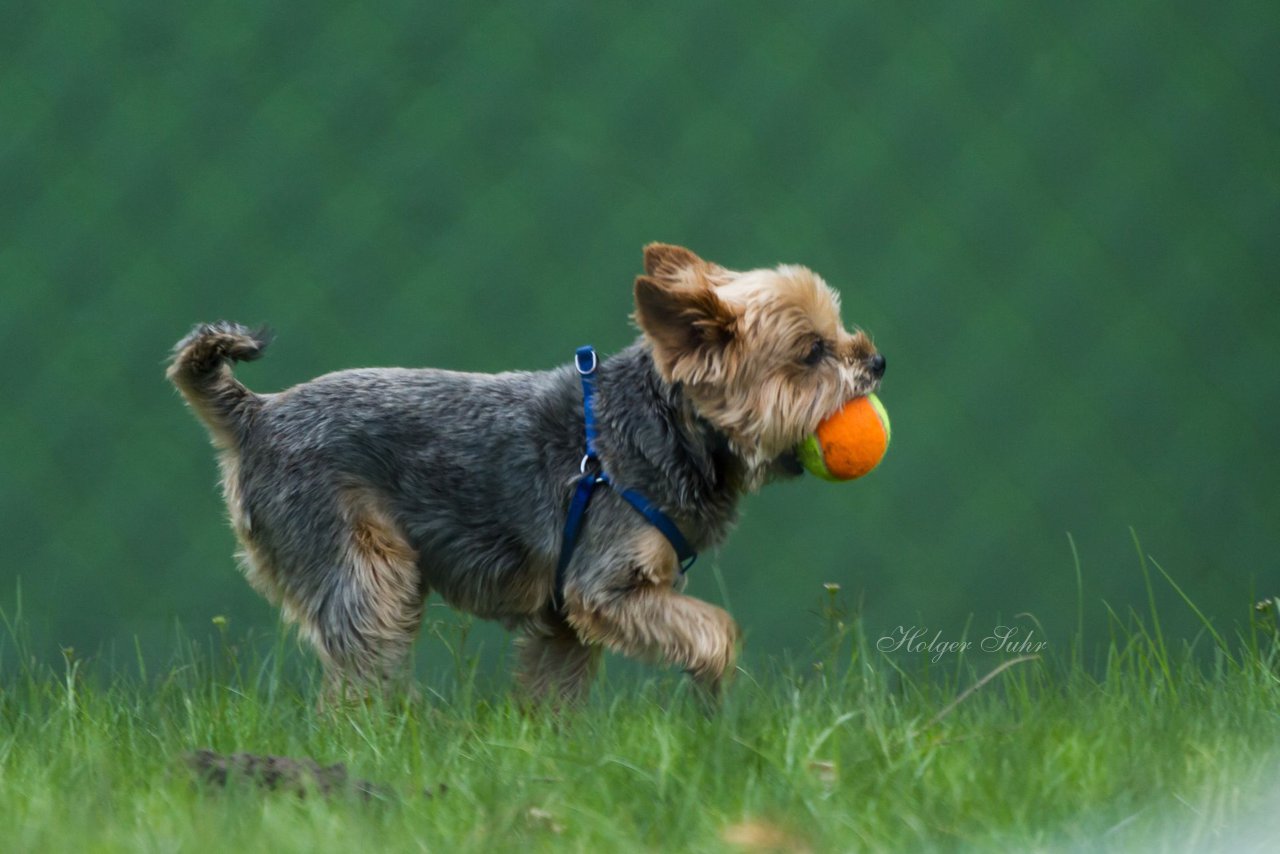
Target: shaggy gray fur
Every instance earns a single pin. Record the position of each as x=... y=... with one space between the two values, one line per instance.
x=476 y=469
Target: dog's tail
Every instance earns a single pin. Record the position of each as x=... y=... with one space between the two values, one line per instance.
x=201 y=369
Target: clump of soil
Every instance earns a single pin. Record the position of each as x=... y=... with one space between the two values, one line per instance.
x=281 y=773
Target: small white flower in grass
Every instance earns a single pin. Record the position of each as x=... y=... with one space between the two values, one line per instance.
x=757 y=835
x=825 y=771
x=544 y=820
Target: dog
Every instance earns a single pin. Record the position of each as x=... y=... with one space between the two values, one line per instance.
x=357 y=494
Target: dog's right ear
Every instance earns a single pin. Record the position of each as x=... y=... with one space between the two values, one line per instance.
x=691 y=329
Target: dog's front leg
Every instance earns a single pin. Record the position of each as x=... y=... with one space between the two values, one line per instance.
x=654 y=622
x=554 y=665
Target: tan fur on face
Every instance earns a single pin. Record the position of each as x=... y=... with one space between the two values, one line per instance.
x=737 y=342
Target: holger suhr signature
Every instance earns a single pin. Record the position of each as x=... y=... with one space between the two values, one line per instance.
x=916 y=639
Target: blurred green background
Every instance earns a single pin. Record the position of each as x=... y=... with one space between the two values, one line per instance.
x=1059 y=221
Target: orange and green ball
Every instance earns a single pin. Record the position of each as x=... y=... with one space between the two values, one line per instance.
x=849 y=443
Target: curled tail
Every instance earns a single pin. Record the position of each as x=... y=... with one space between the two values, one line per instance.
x=201 y=369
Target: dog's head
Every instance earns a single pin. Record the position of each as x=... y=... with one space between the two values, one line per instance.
x=762 y=355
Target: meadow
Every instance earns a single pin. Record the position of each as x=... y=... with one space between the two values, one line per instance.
x=1143 y=743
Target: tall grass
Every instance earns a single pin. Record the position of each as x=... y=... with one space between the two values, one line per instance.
x=1156 y=744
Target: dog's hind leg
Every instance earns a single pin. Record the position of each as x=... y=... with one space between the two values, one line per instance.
x=365 y=623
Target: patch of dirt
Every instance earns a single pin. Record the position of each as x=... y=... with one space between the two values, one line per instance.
x=282 y=773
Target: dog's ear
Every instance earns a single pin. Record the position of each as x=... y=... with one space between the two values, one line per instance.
x=691 y=329
x=666 y=261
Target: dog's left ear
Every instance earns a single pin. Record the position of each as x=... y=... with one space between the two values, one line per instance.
x=670 y=263
x=692 y=330
x=667 y=261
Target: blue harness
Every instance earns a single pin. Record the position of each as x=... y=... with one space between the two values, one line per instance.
x=593 y=475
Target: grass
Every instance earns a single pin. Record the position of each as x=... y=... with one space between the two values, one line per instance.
x=1150 y=747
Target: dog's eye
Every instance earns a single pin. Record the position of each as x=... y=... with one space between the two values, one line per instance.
x=817 y=350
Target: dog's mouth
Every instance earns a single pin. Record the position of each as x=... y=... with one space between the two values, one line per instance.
x=788 y=463
x=864 y=387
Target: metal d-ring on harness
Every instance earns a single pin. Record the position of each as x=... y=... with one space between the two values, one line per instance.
x=593 y=475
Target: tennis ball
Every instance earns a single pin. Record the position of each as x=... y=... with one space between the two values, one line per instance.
x=849 y=443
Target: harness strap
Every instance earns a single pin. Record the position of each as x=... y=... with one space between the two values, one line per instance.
x=586 y=362
x=663 y=523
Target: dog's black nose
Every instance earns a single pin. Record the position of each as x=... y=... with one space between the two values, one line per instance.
x=876 y=365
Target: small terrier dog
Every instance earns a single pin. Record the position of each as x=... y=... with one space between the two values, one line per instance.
x=356 y=494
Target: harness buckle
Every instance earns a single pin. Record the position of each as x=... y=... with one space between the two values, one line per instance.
x=599 y=477
x=578 y=360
